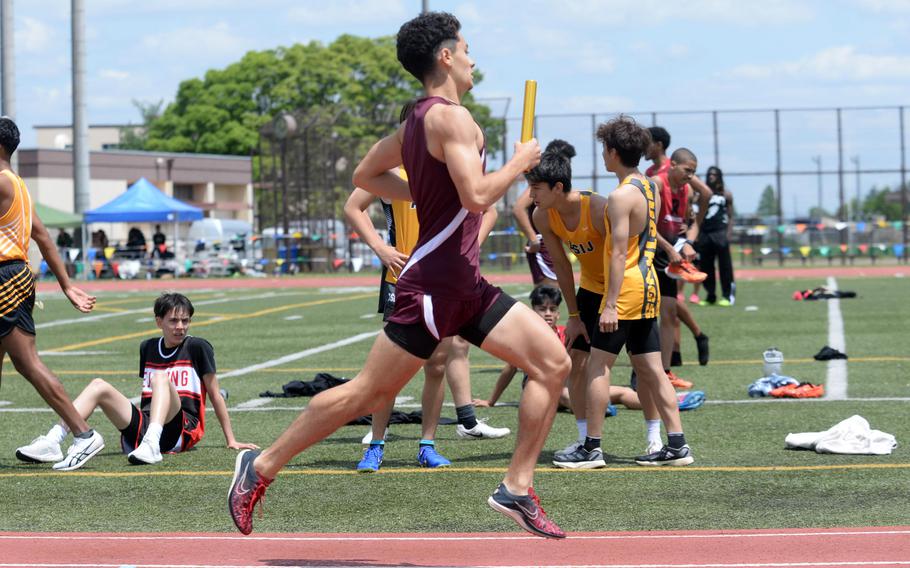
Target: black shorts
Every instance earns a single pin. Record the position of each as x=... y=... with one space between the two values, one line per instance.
x=386 y=299
x=589 y=312
x=172 y=439
x=17 y=297
x=488 y=310
x=638 y=336
x=669 y=287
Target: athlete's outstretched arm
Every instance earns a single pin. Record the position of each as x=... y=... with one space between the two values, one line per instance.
x=455 y=131
x=80 y=300
x=373 y=172
x=355 y=212
x=221 y=412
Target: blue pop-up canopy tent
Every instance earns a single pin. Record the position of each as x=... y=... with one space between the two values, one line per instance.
x=142 y=201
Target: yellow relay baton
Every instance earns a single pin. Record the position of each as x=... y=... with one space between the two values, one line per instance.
x=527 y=115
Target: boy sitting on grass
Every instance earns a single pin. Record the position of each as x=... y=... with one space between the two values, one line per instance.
x=178 y=372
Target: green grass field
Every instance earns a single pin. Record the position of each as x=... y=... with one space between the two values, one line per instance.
x=743 y=477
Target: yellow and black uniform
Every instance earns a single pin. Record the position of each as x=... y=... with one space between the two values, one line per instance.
x=638 y=303
x=403 y=229
x=17 y=283
x=586 y=243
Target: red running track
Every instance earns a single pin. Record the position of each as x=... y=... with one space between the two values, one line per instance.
x=874 y=546
x=371 y=280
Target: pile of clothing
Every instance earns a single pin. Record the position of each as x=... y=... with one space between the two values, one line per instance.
x=822 y=293
x=782 y=386
x=850 y=436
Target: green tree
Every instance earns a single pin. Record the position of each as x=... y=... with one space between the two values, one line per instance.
x=885 y=202
x=222 y=112
x=136 y=137
x=767 y=204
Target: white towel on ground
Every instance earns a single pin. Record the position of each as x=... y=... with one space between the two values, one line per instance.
x=850 y=436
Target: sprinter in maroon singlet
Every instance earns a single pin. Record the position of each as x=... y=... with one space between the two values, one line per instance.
x=440 y=291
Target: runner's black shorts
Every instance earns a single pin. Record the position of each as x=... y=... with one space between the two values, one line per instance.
x=639 y=337
x=172 y=439
x=17 y=297
x=589 y=313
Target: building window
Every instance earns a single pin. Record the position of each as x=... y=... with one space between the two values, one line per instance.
x=183 y=191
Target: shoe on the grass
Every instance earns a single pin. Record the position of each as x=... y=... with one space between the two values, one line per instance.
x=368 y=438
x=526 y=511
x=690 y=400
x=678 y=382
x=482 y=431
x=247 y=489
x=146 y=453
x=667 y=456
x=581 y=459
x=706 y=303
x=41 y=450
x=80 y=452
x=427 y=456
x=693 y=299
x=372 y=458
x=701 y=343
x=568 y=449
x=724 y=303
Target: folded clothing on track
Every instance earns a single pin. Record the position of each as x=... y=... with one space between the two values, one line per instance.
x=850 y=436
x=764 y=385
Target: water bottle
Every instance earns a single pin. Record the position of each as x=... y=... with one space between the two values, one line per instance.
x=773 y=360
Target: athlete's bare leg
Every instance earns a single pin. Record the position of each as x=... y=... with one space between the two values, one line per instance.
x=458 y=371
x=685 y=316
x=165 y=400
x=24 y=354
x=523 y=339
x=578 y=383
x=598 y=373
x=669 y=324
x=434 y=372
x=101 y=394
x=387 y=369
x=652 y=379
x=625 y=396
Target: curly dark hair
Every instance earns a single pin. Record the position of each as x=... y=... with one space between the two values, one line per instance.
x=625 y=136
x=555 y=165
x=420 y=39
x=9 y=135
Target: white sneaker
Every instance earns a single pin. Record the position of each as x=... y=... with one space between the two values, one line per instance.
x=80 y=452
x=654 y=447
x=369 y=436
x=482 y=430
x=41 y=450
x=146 y=453
x=570 y=449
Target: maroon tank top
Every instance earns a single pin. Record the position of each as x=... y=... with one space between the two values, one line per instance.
x=446 y=260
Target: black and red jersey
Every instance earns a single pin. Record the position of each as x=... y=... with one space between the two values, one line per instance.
x=186 y=365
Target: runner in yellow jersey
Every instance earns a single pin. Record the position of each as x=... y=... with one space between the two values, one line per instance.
x=449 y=360
x=19 y=225
x=631 y=300
x=573 y=219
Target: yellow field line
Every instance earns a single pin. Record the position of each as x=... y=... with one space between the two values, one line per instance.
x=264 y=312
x=440 y=471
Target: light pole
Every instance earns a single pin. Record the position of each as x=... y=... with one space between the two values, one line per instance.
x=858 y=207
x=818 y=163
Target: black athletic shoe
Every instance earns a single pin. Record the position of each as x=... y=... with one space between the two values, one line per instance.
x=526 y=511
x=676 y=359
x=667 y=456
x=701 y=342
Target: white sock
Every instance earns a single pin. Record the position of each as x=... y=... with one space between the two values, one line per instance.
x=57 y=433
x=653 y=431
x=582 y=426
x=153 y=434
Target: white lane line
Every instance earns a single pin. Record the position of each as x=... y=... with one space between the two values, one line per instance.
x=299 y=355
x=71 y=353
x=836 y=382
x=253 y=403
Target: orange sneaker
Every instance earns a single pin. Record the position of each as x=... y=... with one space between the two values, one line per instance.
x=678 y=382
x=785 y=391
x=685 y=271
x=808 y=390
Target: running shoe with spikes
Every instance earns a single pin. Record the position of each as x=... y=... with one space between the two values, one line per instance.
x=685 y=270
x=526 y=511
x=678 y=382
x=247 y=489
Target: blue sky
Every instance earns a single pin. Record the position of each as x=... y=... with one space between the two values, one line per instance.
x=588 y=56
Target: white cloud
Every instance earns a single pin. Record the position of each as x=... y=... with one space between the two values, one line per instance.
x=216 y=41
x=834 y=63
x=34 y=36
x=114 y=74
x=347 y=12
